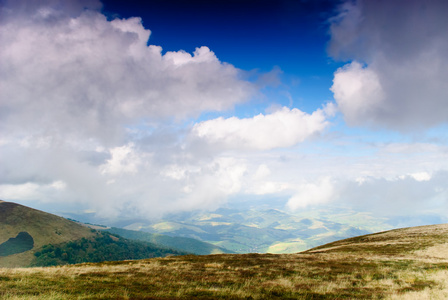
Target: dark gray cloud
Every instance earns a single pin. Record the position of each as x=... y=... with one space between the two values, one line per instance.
x=400 y=68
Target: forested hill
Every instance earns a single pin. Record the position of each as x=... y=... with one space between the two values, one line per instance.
x=32 y=237
x=101 y=247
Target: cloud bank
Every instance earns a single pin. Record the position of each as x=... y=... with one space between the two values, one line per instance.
x=93 y=116
x=83 y=105
x=65 y=65
x=399 y=69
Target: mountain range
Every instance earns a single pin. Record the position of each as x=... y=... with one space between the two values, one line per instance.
x=252 y=230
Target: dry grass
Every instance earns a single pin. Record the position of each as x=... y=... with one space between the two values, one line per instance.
x=406 y=264
x=251 y=276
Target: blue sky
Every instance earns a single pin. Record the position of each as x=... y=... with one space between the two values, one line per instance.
x=143 y=108
x=251 y=35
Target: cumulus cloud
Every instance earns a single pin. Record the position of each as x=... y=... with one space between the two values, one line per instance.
x=359 y=93
x=399 y=69
x=125 y=181
x=123 y=160
x=283 y=128
x=82 y=100
x=66 y=65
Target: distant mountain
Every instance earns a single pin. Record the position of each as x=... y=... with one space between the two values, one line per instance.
x=32 y=237
x=180 y=243
x=252 y=230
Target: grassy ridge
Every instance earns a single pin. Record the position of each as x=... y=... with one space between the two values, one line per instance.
x=393 y=242
x=42 y=227
x=246 y=276
x=418 y=270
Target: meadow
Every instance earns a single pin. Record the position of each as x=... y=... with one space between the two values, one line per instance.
x=400 y=264
x=229 y=276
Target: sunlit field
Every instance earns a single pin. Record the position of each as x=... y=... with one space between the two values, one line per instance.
x=402 y=268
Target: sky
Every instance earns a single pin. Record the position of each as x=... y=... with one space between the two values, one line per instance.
x=144 y=108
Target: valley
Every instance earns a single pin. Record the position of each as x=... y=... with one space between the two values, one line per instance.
x=257 y=230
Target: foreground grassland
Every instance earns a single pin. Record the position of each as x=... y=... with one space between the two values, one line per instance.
x=401 y=264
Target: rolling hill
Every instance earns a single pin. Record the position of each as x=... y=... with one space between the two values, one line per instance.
x=43 y=228
x=253 y=230
x=430 y=241
x=32 y=237
x=190 y=245
x=408 y=263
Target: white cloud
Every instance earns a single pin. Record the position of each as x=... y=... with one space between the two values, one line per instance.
x=283 y=128
x=403 y=195
x=32 y=191
x=358 y=92
x=75 y=73
x=123 y=160
x=262 y=172
x=203 y=185
x=316 y=193
x=263 y=182
x=404 y=46
x=421 y=176
x=411 y=194
x=79 y=93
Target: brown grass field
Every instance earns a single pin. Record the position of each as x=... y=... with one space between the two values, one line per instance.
x=400 y=264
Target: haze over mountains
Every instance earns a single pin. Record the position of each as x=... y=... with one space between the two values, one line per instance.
x=32 y=237
x=29 y=236
x=224 y=230
x=396 y=264
x=251 y=229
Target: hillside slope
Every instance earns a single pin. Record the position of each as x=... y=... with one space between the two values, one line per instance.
x=42 y=227
x=398 y=264
x=29 y=237
x=431 y=240
x=180 y=243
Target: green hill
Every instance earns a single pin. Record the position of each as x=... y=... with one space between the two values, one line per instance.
x=22 y=243
x=181 y=243
x=102 y=247
x=32 y=237
x=18 y=221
